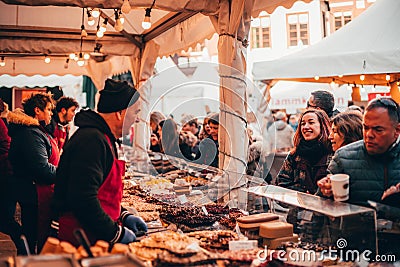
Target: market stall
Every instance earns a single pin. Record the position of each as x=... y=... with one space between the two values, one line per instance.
x=363 y=52
x=173 y=26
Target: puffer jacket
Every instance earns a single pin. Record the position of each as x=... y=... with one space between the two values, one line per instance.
x=30 y=150
x=367 y=172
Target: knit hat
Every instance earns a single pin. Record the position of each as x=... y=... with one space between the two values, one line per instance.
x=186 y=118
x=116 y=96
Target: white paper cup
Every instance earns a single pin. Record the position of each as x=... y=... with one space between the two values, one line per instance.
x=340 y=187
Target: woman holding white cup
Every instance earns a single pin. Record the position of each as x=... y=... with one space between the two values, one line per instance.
x=346 y=129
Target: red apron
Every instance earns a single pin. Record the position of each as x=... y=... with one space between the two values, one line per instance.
x=60 y=134
x=110 y=197
x=45 y=195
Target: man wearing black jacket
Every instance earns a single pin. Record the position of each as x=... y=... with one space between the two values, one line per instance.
x=88 y=190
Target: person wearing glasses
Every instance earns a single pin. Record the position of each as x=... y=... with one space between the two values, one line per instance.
x=373 y=163
x=307 y=162
x=324 y=100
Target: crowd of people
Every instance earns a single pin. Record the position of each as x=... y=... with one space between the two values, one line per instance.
x=316 y=142
x=50 y=177
x=45 y=170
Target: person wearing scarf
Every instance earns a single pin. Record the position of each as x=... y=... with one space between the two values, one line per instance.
x=307 y=162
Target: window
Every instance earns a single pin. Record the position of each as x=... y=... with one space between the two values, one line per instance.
x=341 y=19
x=261 y=32
x=297 y=25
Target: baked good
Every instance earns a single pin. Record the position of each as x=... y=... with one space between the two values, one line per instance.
x=276 y=229
x=103 y=245
x=149 y=216
x=51 y=246
x=254 y=221
x=119 y=249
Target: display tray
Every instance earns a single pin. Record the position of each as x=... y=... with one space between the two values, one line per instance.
x=324 y=206
x=112 y=261
x=46 y=260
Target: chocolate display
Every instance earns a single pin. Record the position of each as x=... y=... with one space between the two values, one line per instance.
x=230 y=220
x=214 y=240
x=189 y=216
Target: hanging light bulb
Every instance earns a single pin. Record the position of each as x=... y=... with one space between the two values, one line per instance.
x=96 y=12
x=86 y=56
x=362 y=77
x=47 y=59
x=340 y=75
x=90 y=20
x=76 y=57
x=72 y=55
x=2 y=62
x=387 y=77
x=126 y=7
x=316 y=78
x=121 y=17
x=83 y=31
x=103 y=27
x=146 y=23
x=118 y=25
x=80 y=61
x=99 y=34
x=66 y=63
x=398 y=83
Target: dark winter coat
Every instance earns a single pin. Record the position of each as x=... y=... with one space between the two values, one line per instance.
x=5 y=166
x=29 y=154
x=298 y=174
x=367 y=173
x=85 y=164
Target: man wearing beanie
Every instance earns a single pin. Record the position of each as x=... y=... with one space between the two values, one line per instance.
x=88 y=190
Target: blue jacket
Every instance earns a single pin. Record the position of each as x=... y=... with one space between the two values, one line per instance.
x=367 y=172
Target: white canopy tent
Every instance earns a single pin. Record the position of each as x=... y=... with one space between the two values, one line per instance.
x=52 y=27
x=368 y=45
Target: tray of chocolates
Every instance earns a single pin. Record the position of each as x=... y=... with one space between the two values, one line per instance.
x=189 y=216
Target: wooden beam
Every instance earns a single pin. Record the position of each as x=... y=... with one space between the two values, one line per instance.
x=166 y=25
x=54 y=33
x=127 y=35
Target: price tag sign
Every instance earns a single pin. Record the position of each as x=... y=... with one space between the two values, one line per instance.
x=183 y=199
x=203 y=201
x=204 y=210
x=242 y=244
